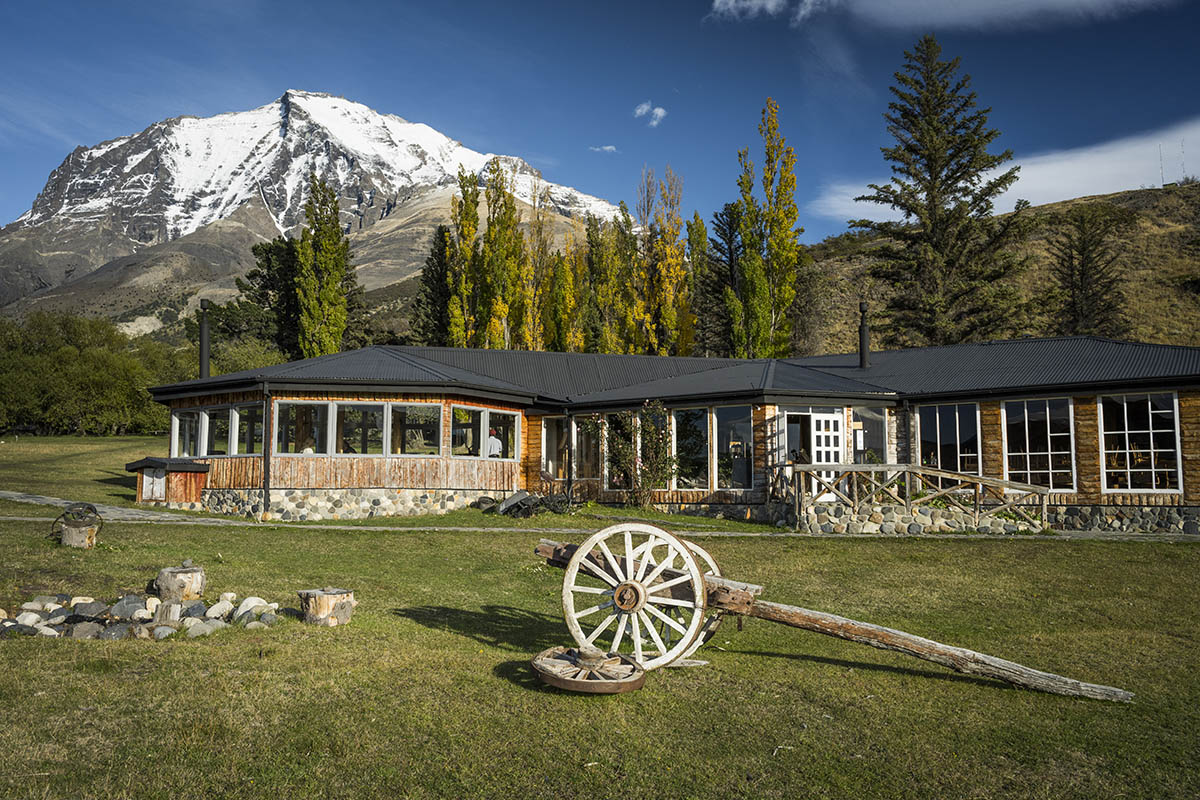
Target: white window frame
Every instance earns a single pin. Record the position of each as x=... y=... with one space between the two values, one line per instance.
x=637 y=444
x=329 y=427
x=713 y=466
x=235 y=422
x=570 y=424
x=485 y=423
x=600 y=453
x=1004 y=439
x=1100 y=444
x=385 y=431
x=708 y=420
x=978 y=436
x=441 y=430
x=201 y=431
x=206 y=413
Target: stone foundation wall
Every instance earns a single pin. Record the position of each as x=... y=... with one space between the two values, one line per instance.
x=836 y=518
x=1128 y=519
x=315 y=504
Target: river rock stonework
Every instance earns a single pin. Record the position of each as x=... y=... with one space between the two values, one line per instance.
x=316 y=504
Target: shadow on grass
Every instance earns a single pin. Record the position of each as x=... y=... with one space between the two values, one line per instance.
x=507 y=628
x=890 y=668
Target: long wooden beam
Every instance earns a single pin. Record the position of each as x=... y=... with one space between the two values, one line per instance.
x=736 y=597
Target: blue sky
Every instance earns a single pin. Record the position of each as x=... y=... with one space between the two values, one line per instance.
x=1084 y=91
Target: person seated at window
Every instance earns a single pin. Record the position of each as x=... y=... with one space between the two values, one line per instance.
x=495 y=448
x=308 y=445
x=347 y=447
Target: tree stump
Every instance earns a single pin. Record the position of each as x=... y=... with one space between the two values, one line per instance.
x=182 y=585
x=327 y=606
x=79 y=534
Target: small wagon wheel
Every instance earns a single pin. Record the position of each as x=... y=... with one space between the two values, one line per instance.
x=76 y=515
x=617 y=578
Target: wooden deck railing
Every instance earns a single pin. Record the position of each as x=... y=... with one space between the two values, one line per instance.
x=864 y=485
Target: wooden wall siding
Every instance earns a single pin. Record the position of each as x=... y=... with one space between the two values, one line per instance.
x=358 y=472
x=762 y=422
x=1087 y=455
x=1189 y=435
x=185 y=487
x=137 y=497
x=991 y=439
x=531 y=453
x=234 y=472
x=228 y=398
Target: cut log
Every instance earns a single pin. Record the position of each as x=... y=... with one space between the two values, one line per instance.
x=183 y=585
x=81 y=535
x=956 y=658
x=735 y=597
x=327 y=606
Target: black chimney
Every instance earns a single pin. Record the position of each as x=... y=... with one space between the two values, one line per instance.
x=864 y=337
x=204 y=304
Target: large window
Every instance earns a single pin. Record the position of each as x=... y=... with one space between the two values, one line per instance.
x=950 y=437
x=187 y=434
x=303 y=428
x=587 y=453
x=617 y=437
x=735 y=447
x=217 y=443
x=555 y=438
x=502 y=435
x=359 y=430
x=691 y=448
x=1037 y=443
x=249 y=429
x=466 y=431
x=1141 y=448
x=416 y=430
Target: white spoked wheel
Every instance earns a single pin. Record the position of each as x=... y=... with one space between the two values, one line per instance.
x=627 y=584
x=712 y=620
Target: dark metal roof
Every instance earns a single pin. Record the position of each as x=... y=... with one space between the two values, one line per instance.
x=169 y=464
x=1017 y=365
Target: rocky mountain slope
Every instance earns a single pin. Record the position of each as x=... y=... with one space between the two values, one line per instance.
x=135 y=227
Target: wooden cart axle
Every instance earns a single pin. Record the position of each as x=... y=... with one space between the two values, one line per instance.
x=736 y=597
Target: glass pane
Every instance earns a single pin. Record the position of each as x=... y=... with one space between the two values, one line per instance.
x=735 y=447
x=1060 y=443
x=691 y=448
x=587 y=452
x=1167 y=479
x=250 y=429
x=1039 y=478
x=1060 y=416
x=1141 y=479
x=1060 y=480
x=1039 y=461
x=619 y=447
x=1164 y=403
x=1139 y=441
x=967 y=439
x=1018 y=462
x=303 y=428
x=1014 y=415
x=1137 y=412
x=187 y=444
x=1113 y=411
x=359 y=430
x=947 y=438
x=1165 y=460
x=928 y=424
x=1164 y=440
x=1114 y=441
x=466 y=431
x=554 y=447
x=1039 y=441
x=871 y=446
x=218 y=432
x=502 y=435
x=1117 y=460
x=1060 y=461
x=1116 y=480
x=416 y=430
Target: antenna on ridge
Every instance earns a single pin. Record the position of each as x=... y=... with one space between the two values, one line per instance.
x=1161 y=179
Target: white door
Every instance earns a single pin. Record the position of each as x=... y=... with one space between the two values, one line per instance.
x=826 y=446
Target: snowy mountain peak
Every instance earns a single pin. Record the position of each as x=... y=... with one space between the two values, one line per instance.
x=183 y=173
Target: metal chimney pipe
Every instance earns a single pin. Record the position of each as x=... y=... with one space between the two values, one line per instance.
x=204 y=304
x=864 y=337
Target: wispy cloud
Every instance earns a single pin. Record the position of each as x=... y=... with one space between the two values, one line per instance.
x=603 y=148
x=1127 y=163
x=656 y=113
x=962 y=14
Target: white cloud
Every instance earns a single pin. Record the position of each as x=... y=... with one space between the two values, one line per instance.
x=962 y=14
x=604 y=148
x=656 y=113
x=1121 y=164
x=745 y=9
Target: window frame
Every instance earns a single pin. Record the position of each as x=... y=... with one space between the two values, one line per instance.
x=485 y=424
x=329 y=427
x=713 y=465
x=601 y=460
x=441 y=409
x=207 y=413
x=383 y=430
x=1100 y=442
x=978 y=436
x=708 y=413
x=1050 y=453
x=569 y=423
x=235 y=423
x=201 y=431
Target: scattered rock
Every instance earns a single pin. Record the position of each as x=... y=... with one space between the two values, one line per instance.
x=248 y=604
x=18 y=630
x=29 y=618
x=168 y=612
x=229 y=597
x=58 y=615
x=216 y=624
x=45 y=599
x=91 y=609
x=195 y=610
x=31 y=606
x=268 y=618
x=126 y=606
x=3 y=614
x=163 y=631
x=152 y=604
x=199 y=629
x=50 y=607
x=190 y=622
x=254 y=626
x=121 y=630
x=220 y=610
x=86 y=630
x=141 y=615
x=80 y=599
x=46 y=630
x=141 y=632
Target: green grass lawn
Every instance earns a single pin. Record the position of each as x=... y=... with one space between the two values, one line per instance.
x=428 y=692
x=82 y=468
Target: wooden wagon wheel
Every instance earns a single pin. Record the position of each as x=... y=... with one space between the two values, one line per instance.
x=620 y=581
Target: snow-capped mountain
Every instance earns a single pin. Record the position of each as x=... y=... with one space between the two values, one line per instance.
x=178 y=176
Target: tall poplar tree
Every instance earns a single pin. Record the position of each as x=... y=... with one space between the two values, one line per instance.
x=669 y=301
x=950 y=262
x=1085 y=252
x=500 y=255
x=463 y=259
x=322 y=261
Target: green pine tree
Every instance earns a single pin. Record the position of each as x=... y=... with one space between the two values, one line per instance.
x=950 y=262
x=431 y=313
x=323 y=258
x=1085 y=252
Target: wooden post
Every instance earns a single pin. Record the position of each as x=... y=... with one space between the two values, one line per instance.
x=180 y=584
x=328 y=606
x=907 y=491
x=796 y=497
